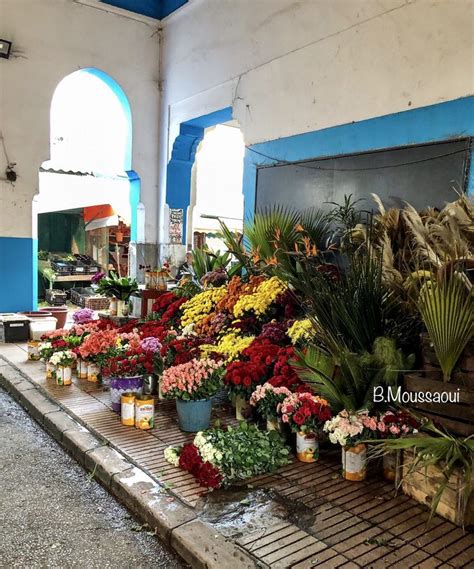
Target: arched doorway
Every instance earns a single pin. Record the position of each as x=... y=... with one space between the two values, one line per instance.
x=89 y=174
x=181 y=177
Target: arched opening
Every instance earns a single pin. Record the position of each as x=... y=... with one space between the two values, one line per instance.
x=216 y=186
x=86 y=208
x=183 y=180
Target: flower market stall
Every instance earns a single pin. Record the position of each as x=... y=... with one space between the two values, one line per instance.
x=319 y=319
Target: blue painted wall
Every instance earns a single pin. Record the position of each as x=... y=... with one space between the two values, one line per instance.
x=178 y=173
x=153 y=8
x=18 y=274
x=444 y=121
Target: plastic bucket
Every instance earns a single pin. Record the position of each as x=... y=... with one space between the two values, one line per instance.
x=194 y=415
x=40 y=326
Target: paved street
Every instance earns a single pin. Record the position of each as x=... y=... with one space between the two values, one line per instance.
x=53 y=515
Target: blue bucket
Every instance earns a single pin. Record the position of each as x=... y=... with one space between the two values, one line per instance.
x=194 y=415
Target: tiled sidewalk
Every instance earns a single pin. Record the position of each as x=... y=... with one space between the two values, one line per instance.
x=324 y=521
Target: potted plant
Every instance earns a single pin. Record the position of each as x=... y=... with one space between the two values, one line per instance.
x=306 y=414
x=192 y=385
x=63 y=361
x=117 y=287
x=351 y=430
x=266 y=399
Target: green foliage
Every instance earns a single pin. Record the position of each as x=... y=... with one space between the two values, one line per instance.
x=118 y=287
x=350 y=384
x=445 y=303
x=186 y=290
x=247 y=451
x=205 y=260
x=43 y=255
x=442 y=450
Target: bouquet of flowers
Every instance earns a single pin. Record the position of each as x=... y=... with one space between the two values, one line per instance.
x=180 y=350
x=396 y=424
x=45 y=350
x=266 y=399
x=261 y=299
x=221 y=457
x=349 y=429
x=305 y=413
x=132 y=361
x=192 y=381
x=241 y=378
x=83 y=316
x=98 y=344
x=198 y=307
x=64 y=358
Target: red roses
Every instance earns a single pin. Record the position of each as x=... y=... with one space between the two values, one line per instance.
x=205 y=473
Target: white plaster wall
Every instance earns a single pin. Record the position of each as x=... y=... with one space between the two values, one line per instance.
x=52 y=38
x=294 y=66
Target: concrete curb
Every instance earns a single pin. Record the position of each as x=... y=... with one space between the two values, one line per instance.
x=175 y=523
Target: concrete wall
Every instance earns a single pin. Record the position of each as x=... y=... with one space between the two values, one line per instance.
x=289 y=67
x=51 y=39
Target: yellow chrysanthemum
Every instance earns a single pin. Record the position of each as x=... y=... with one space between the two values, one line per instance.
x=260 y=301
x=301 y=330
x=230 y=345
x=199 y=306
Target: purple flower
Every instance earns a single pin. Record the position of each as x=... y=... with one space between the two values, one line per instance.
x=83 y=316
x=150 y=344
x=97 y=277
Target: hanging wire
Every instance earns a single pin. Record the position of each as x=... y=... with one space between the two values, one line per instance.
x=303 y=165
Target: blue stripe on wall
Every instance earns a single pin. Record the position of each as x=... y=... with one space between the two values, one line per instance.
x=18 y=274
x=443 y=121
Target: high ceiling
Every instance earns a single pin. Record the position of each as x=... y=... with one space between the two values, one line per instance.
x=158 y=9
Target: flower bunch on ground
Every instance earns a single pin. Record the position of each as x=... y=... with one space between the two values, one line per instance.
x=305 y=412
x=192 y=381
x=221 y=457
x=266 y=399
x=349 y=429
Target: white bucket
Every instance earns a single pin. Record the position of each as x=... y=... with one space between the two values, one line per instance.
x=40 y=326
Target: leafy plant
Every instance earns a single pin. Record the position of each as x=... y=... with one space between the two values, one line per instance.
x=205 y=261
x=267 y=451
x=441 y=450
x=445 y=303
x=350 y=384
x=118 y=287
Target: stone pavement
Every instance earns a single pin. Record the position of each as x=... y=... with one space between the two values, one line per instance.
x=303 y=516
x=55 y=515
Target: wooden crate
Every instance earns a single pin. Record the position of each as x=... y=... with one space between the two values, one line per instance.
x=422 y=486
x=457 y=418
